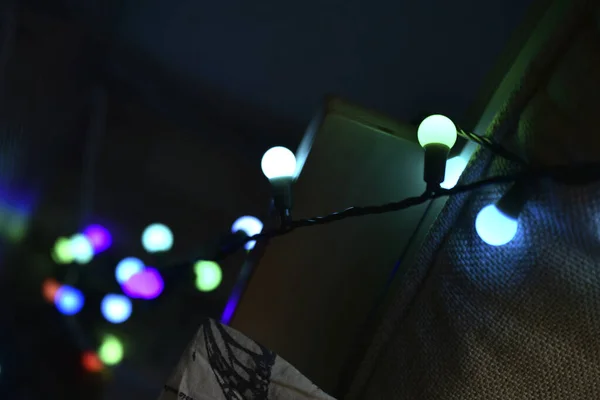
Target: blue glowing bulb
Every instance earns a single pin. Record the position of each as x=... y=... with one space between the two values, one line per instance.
x=126 y=268
x=116 y=308
x=494 y=227
x=157 y=238
x=250 y=226
x=68 y=300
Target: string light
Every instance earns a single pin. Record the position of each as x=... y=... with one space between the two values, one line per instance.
x=279 y=166
x=157 y=238
x=436 y=134
x=99 y=237
x=91 y=362
x=61 y=252
x=49 y=289
x=208 y=275
x=126 y=268
x=81 y=249
x=278 y=162
x=494 y=227
x=250 y=226
x=497 y=224
x=147 y=284
x=111 y=350
x=116 y=308
x=68 y=300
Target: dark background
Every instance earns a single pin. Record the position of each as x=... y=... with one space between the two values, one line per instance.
x=125 y=112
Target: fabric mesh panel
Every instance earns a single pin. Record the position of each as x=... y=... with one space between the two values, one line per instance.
x=472 y=321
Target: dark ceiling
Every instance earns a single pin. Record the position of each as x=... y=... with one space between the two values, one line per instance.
x=263 y=67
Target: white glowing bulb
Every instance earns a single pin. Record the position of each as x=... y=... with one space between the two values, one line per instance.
x=116 y=308
x=494 y=227
x=278 y=162
x=157 y=238
x=437 y=129
x=250 y=226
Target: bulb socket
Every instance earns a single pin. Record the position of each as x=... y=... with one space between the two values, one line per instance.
x=436 y=155
x=281 y=189
x=514 y=200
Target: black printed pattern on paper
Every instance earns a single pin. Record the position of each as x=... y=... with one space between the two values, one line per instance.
x=242 y=373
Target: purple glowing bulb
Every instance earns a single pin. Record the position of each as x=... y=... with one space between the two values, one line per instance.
x=99 y=237
x=146 y=284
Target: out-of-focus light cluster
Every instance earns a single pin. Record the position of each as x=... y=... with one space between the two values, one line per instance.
x=137 y=280
x=250 y=226
x=81 y=247
x=208 y=275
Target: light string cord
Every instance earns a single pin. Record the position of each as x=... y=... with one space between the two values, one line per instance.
x=491 y=145
x=571 y=175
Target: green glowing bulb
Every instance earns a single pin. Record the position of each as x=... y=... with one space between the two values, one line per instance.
x=62 y=253
x=208 y=275
x=437 y=129
x=111 y=350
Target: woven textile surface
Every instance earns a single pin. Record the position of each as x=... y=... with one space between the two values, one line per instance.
x=521 y=321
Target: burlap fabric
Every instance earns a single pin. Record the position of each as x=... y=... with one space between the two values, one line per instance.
x=522 y=321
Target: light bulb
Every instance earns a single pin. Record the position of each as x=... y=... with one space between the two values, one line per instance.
x=495 y=227
x=68 y=300
x=115 y=308
x=250 y=226
x=208 y=275
x=126 y=268
x=111 y=350
x=81 y=249
x=62 y=253
x=437 y=129
x=157 y=238
x=278 y=162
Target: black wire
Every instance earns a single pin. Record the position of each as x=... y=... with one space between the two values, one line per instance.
x=572 y=175
x=493 y=146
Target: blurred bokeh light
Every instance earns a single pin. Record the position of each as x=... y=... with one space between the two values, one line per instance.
x=208 y=275
x=250 y=226
x=61 y=252
x=157 y=238
x=126 y=268
x=116 y=308
x=81 y=249
x=99 y=237
x=68 y=300
x=49 y=289
x=91 y=362
x=111 y=350
x=147 y=284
